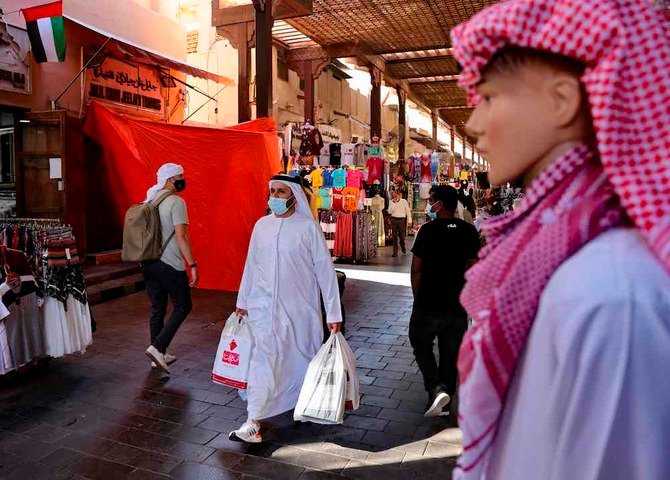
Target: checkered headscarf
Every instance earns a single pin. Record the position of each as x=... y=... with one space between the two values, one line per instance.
x=625 y=48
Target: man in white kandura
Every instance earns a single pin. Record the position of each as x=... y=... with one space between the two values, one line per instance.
x=287 y=265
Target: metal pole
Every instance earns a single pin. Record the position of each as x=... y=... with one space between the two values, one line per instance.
x=200 y=107
x=54 y=102
x=191 y=87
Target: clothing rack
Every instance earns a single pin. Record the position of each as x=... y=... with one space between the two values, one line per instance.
x=350 y=236
x=50 y=316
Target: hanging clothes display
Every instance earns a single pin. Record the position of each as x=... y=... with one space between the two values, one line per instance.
x=365 y=234
x=348 y=154
x=328 y=222
x=426 y=172
x=378 y=212
x=311 y=140
x=434 y=165
x=336 y=154
x=350 y=236
x=44 y=290
x=24 y=325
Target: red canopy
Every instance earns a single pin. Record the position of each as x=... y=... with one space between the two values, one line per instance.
x=227 y=172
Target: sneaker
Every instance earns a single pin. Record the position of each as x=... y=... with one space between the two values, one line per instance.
x=436 y=402
x=446 y=411
x=158 y=358
x=249 y=432
x=169 y=359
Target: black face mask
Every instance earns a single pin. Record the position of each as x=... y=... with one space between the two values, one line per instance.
x=180 y=185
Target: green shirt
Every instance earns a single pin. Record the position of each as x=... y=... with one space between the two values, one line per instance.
x=172 y=212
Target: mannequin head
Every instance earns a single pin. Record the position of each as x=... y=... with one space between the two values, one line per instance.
x=533 y=107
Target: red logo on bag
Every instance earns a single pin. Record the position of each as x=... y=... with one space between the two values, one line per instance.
x=231 y=358
x=233 y=345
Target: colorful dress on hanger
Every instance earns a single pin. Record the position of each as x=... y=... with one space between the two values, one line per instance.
x=426 y=172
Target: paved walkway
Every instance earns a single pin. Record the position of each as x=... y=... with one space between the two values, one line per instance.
x=106 y=415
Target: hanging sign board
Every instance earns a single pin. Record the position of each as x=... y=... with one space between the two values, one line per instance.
x=135 y=87
x=14 y=63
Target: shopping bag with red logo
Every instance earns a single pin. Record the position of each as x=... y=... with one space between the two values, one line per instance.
x=231 y=365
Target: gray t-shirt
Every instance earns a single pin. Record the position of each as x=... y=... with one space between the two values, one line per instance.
x=172 y=212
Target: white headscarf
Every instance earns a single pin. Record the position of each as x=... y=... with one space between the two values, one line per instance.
x=166 y=172
x=302 y=205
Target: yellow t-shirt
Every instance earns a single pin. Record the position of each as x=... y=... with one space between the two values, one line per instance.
x=317 y=178
x=464 y=175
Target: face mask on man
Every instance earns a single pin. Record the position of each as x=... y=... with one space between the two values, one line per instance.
x=429 y=211
x=278 y=206
x=180 y=185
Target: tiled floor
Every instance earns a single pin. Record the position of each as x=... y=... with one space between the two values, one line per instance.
x=106 y=415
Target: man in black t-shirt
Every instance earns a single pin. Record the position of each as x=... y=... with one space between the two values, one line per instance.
x=443 y=250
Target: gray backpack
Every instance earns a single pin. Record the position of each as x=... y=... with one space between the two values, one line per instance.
x=142 y=235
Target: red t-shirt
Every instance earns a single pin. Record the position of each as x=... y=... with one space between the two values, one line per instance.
x=338 y=199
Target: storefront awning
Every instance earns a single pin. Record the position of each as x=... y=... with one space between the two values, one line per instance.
x=122 y=48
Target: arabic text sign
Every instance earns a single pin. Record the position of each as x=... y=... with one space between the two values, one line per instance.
x=135 y=87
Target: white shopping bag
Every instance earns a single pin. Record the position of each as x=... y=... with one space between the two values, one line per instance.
x=353 y=396
x=231 y=365
x=324 y=391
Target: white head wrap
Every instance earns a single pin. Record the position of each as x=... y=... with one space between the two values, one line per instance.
x=166 y=172
x=302 y=206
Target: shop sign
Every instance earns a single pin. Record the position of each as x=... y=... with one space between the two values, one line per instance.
x=14 y=64
x=136 y=87
x=329 y=133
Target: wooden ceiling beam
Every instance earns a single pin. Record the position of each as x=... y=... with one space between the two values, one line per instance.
x=426 y=80
x=283 y=9
x=455 y=107
x=399 y=61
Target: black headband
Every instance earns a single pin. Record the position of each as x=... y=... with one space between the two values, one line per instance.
x=287 y=178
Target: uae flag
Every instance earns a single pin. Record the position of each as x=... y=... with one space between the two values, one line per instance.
x=46 y=31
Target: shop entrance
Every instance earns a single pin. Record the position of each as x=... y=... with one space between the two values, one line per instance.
x=39 y=156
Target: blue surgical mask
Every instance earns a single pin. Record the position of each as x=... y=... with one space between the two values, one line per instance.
x=429 y=211
x=279 y=206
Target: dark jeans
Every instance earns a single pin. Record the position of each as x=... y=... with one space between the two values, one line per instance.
x=449 y=329
x=399 y=231
x=163 y=281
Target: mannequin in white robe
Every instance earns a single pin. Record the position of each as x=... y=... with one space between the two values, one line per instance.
x=591 y=393
x=288 y=264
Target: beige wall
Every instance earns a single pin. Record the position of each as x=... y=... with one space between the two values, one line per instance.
x=333 y=95
x=50 y=79
x=128 y=19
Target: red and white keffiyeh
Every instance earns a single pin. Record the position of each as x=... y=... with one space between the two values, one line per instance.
x=626 y=48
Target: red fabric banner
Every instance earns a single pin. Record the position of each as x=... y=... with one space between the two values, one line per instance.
x=226 y=170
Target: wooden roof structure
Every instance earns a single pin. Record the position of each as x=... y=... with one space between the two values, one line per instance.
x=408 y=39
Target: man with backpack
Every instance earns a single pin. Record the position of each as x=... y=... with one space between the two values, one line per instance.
x=161 y=243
